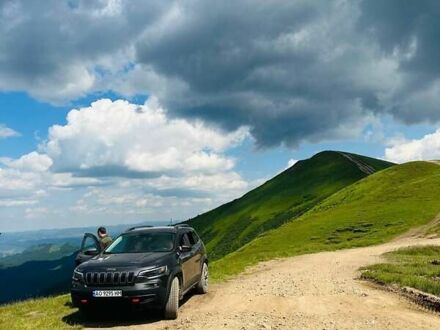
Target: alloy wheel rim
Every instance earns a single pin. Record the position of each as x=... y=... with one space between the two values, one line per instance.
x=205 y=276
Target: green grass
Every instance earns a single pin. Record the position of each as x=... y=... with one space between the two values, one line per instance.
x=371 y=211
x=434 y=230
x=280 y=200
x=409 y=267
x=43 y=313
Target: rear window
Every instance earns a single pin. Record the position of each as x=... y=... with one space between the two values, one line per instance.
x=142 y=243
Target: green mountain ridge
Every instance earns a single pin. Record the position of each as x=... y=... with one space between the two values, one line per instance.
x=281 y=199
x=370 y=211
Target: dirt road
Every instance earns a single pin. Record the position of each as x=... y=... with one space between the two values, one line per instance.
x=317 y=291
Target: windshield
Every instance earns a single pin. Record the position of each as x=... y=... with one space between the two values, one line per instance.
x=142 y=243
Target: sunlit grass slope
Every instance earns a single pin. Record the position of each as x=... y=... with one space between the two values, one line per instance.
x=370 y=211
x=42 y=313
x=416 y=267
x=280 y=200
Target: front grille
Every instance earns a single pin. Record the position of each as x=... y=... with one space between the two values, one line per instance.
x=110 y=278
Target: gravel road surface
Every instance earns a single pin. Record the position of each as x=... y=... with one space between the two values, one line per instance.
x=316 y=291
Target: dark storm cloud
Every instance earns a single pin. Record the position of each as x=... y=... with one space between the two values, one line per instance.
x=292 y=71
x=411 y=28
x=54 y=49
x=399 y=23
x=274 y=66
x=214 y=43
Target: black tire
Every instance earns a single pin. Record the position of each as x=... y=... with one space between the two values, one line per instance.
x=203 y=285
x=172 y=306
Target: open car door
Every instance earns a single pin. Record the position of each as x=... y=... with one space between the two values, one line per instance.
x=90 y=247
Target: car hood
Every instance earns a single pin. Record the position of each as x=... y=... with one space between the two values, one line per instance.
x=125 y=260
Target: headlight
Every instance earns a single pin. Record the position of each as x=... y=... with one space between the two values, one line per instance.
x=77 y=275
x=153 y=272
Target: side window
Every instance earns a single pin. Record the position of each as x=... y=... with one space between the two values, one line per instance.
x=193 y=238
x=89 y=242
x=184 y=240
x=196 y=237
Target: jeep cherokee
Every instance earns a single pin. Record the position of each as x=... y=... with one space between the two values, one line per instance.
x=143 y=267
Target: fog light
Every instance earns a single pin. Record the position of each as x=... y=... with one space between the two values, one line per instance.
x=84 y=301
x=135 y=300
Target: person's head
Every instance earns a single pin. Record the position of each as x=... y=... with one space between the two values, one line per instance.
x=102 y=232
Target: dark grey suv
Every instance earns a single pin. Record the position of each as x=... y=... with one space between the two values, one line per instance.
x=143 y=267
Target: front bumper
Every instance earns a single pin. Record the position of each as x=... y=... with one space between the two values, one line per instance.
x=151 y=294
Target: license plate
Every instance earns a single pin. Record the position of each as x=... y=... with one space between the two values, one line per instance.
x=107 y=293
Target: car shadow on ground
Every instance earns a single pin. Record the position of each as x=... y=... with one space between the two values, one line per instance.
x=112 y=317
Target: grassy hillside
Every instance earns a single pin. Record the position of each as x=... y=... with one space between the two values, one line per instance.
x=281 y=199
x=416 y=267
x=36 y=278
x=43 y=313
x=367 y=212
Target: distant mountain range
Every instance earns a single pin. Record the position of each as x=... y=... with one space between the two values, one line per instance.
x=42 y=252
x=17 y=242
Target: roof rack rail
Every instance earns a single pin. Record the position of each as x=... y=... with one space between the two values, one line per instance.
x=138 y=227
x=181 y=225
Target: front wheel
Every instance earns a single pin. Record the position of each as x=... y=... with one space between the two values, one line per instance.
x=202 y=286
x=172 y=305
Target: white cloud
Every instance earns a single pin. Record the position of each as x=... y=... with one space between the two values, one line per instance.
x=219 y=184
x=123 y=139
x=35 y=212
x=16 y=181
x=24 y=181
x=291 y=162
x=426 y=148
x=68 y=181
x=18 y=188
x=121 y=162
x=6 y=132
x=16 y=202
x=34 y=162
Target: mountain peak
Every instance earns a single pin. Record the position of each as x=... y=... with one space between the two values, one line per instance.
x=281 y=199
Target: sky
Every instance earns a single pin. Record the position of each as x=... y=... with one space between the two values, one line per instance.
x=117 y=112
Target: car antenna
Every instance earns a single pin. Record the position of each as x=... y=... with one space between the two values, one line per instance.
x=171 y=221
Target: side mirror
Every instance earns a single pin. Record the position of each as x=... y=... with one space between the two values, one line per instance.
x=185 y=248
x=91 y=252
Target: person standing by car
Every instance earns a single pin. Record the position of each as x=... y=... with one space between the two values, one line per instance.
x=104 y=239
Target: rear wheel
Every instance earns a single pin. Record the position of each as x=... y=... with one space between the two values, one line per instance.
x=202 y=286
x=172 y=305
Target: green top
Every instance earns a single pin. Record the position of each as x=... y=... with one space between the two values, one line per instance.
x=105 y=242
